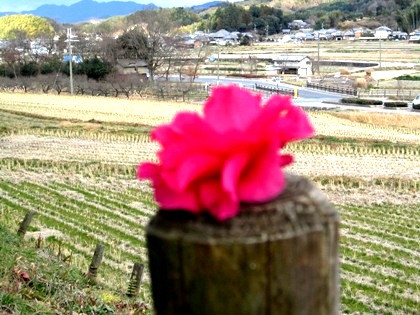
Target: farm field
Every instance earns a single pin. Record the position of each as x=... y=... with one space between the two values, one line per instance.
x=388 y=51
x=73 y=160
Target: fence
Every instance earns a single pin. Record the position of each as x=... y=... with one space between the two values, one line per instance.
x=136 y=274
x=273 y=89
x=331 y=88
x=398 y=94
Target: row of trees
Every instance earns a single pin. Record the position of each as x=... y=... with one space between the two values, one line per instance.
x=149 y=40
x=409 y=18
x=401 y=14
x=262 y=19
x=93 y=68
x=115 y=86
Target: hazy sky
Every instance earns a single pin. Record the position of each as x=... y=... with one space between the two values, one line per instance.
x=23 y=5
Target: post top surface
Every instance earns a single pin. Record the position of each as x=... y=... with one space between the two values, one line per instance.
x=300 y=208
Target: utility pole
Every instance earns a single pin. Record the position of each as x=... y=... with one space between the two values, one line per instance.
x=69 y=47
x=318 y=49
x=218 y=63
x=380 y=53
x=318 y=55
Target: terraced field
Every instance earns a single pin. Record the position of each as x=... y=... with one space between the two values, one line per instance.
x=74 y=163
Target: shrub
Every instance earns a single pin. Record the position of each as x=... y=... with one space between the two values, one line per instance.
x=344 y=71
x=360 y=101
x=395 y=104
x=247 y=75
x=408 y=77
x=360 y=83
x=29 y=69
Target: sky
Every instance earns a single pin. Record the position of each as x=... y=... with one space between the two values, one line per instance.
x=25 y=5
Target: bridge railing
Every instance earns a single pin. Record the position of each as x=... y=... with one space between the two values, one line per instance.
x=276 y=90
x=331 y=88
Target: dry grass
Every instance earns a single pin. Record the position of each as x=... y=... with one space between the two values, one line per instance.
x=85 y=108
x=360 y=83
x=411 y=122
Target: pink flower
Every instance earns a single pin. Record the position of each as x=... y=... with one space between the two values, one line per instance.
x=229 y=155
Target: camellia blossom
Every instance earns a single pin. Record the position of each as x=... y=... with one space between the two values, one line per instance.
x=228 y=155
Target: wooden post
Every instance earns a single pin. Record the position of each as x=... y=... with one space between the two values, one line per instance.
x=275 y=258
x=96 y=262
x=135 y=280
x=24 y=225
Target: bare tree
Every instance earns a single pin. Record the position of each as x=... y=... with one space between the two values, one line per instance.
x=107 y=50
x=45 y=82
x=199 y=56
x=60 y=84
x=14 y=52
x=173 y=52
x=123 y=84
x=146 y=39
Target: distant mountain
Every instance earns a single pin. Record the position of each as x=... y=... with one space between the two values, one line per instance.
x=86 y=10
x=208 y=5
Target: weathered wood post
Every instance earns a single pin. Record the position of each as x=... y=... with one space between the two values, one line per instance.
x=278 y=258
x=96 y=262
x=135 y=280
x=24 y=225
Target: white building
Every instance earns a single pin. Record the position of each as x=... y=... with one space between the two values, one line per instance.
x=383 y=32
x=300 y=65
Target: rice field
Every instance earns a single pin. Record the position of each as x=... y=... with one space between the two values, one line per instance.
x=73 y=161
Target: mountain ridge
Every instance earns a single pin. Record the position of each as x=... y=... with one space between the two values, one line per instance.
x=86 y=10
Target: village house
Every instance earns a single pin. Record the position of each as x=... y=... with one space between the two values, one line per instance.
x=297 y=24
x=383 y=32
x=223 y=37
x=300 y=65
x=132 y=66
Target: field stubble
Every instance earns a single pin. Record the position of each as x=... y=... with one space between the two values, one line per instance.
x=81 y=181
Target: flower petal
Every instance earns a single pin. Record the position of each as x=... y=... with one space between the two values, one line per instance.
x=293 y=123
x=169 y=199
x=230 y=107
x=166 y=197
x=285 y=159
x=231 y=173
x=217 y=202
x=147 y=170
x=263 y=179
x=192 y=168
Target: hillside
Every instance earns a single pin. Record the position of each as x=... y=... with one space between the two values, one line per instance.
x=397 y=14
x=87 y=10
x=13 y=26
x=116 y=16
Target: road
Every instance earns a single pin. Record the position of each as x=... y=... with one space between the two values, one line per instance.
x=304 y=93
x=307 y=97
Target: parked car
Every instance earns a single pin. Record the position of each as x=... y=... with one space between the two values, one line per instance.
x=416 y=102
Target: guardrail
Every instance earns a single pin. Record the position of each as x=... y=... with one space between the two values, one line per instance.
x=273 y=89
x=331 y=88
x=399 y=94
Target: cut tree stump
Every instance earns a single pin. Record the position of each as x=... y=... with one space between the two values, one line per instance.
x=275 y=258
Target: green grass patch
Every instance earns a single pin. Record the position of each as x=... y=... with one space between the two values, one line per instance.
x=35 y=281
